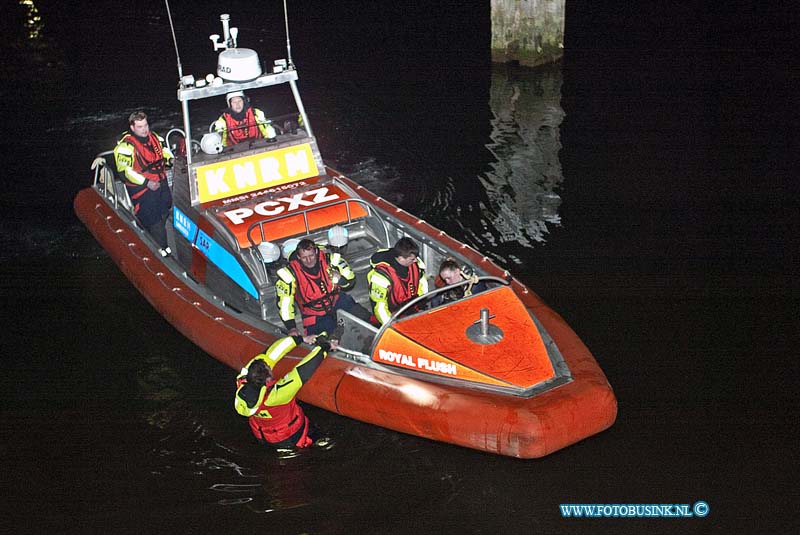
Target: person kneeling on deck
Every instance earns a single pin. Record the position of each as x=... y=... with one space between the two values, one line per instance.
x=142 y=157
x=315 y=280
x=397 y=276
x=241 y=122
x=275 y=417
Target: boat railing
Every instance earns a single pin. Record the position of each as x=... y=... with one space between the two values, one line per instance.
x=107 y=184
x=398 y=315
x=347 y=202
x=259 y=225
x=193 y=143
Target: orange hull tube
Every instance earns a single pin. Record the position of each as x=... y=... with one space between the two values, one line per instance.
x=506 y=425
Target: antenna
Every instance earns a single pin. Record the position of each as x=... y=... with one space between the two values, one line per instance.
x=175 y=41
x=229 y=34
x=288 y=44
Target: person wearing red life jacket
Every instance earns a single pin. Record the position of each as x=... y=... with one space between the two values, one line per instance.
x=397 y=276
x=317 y=282
x=142 y=157
x=273 y=413
x=242 y=122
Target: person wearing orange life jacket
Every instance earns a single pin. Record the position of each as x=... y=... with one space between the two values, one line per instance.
x=143 y=157
x=241 y=122
x=316 y=281
x=397 y=276
x=273 y=413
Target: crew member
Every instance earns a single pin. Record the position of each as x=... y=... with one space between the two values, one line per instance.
x=397 y=276
x=241 y=122
x=316 y=281
x=142 y=157
x=451 y=273
x=274 y=415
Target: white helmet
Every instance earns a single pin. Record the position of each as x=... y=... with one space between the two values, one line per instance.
x=232 y=94
x=269 y=251
x=337 y=236
x=211 y=143
x=289 y=246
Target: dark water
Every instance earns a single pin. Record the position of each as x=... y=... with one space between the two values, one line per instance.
x=641 y=187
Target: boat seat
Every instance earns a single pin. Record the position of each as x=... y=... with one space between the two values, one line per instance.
x=357 y=334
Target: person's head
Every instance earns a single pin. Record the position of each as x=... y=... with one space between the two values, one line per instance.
x=236 y=101
x=450 y=272
x=307 y=252
x=405 y=251
x=258 y=373
x=138 y=124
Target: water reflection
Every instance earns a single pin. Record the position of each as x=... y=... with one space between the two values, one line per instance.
x=527 y=113
x=504 y=197
x=33 y=21
x=33 y=56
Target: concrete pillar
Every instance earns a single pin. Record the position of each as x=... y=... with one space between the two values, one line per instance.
x=528 y=31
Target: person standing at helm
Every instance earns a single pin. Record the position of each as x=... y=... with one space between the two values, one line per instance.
x=241 y=122
x=274 y=415
x=142 y=157
x=397 y=276
x=316 y=280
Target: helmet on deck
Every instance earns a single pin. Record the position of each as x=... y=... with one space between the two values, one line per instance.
x=211 y=143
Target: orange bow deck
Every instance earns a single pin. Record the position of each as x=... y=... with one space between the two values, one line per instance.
x=519 y=361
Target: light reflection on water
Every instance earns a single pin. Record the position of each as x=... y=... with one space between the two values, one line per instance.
x=525 y=142
x=522 y=180
x=33 y=21
x=516 y=203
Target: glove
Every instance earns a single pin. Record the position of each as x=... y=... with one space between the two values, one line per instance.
x=290 y=126
x=323 y=342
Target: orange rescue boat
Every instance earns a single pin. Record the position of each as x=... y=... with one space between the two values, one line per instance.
x=497 y=371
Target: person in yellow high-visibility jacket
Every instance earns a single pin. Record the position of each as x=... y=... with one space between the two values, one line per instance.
x=242 y=122
x=274 y=415
x=142 y=158
x=397 y=276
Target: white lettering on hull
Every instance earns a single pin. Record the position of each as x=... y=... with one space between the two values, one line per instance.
x=420 y=363
x=282 y=205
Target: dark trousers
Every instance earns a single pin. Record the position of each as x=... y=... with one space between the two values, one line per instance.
x=152 y=210
x=327 y=323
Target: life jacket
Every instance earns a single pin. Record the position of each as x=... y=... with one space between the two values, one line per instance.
x=239 y=131
x=403 y=288
x=313 y=291
x=148 y=161
x=276 y=423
